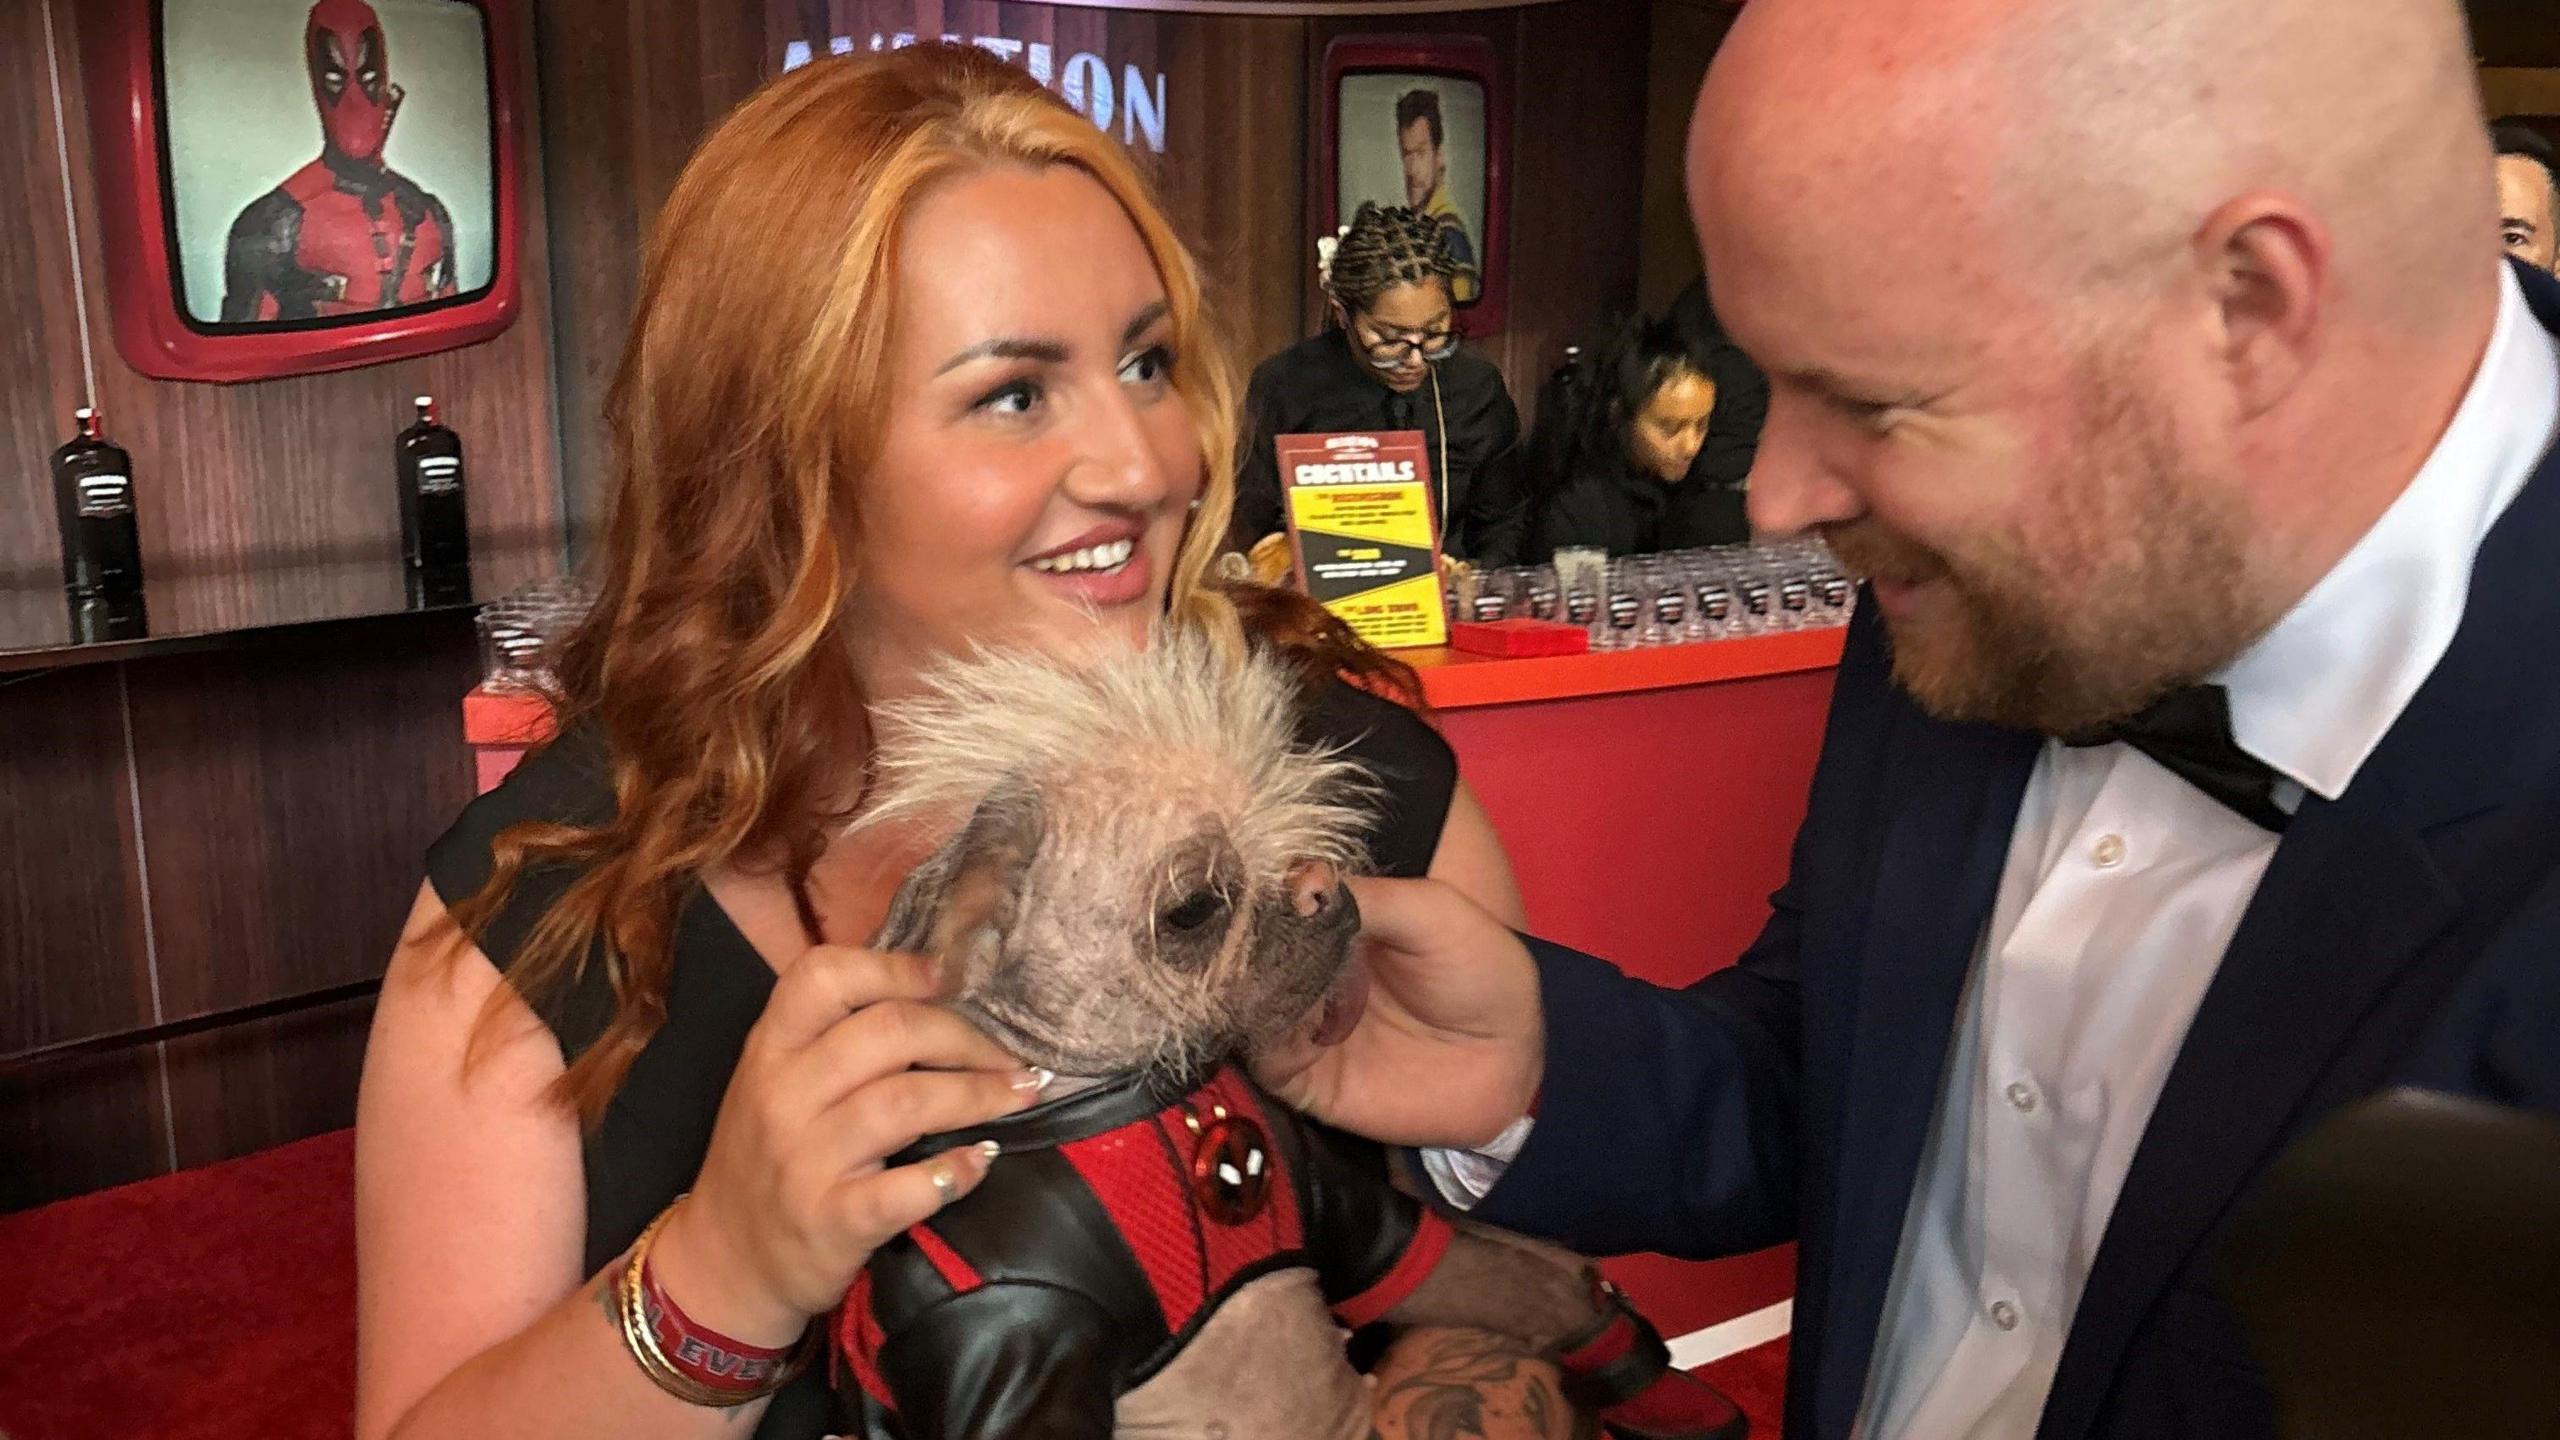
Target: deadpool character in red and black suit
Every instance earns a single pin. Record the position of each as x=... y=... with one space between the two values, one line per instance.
x=345 y=233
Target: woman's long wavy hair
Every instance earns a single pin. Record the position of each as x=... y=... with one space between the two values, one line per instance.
x=714 y=665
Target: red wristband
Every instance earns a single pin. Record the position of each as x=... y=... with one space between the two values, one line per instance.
x=704 y=1355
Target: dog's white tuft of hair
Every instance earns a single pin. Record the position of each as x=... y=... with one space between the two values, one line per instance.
x=1149 y=719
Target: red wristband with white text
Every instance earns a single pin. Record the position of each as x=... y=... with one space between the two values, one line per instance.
x=704 y=1355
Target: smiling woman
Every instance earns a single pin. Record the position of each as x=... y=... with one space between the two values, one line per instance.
x=918 y=367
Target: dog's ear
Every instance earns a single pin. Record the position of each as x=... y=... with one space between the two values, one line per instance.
x=958 y=904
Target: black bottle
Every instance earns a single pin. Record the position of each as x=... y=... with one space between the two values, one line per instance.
x=434 y=527
x=93 y=499
x=108 y=617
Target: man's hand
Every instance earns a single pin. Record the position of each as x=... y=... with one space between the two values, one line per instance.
x=1452 y=1044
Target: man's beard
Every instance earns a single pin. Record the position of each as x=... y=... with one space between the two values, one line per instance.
x=2137 y=584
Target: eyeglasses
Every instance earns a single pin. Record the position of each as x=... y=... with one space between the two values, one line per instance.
x=1431 y=345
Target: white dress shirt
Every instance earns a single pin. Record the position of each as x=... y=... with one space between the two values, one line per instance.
x=2122 y=889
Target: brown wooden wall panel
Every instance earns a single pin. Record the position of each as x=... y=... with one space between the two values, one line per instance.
x=1686 y=34
x=73 y=954
x=1237 y=189
x=628 y=89
x=260 y=503
x=286 y=805
x=81 y=1124
x=2521 y=34
x=73 y=957
x=35 y=267
x=289 y=785
x=246 y=1087
x=1577 y=174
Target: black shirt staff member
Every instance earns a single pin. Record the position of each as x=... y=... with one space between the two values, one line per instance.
x=1392 y=362
x=1645 y=448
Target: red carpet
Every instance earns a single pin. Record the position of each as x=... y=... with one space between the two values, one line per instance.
x=1756 y=1380
x=213 y=1304
x=219 y=1304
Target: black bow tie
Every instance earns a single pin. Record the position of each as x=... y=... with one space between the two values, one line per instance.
x=2189 y=733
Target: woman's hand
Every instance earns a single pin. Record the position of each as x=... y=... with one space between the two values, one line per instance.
x=850 y=1062
x=1452 y=1045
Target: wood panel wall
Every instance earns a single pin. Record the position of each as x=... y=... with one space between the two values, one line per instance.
x=2515 y=34
x=631 y=85
x=188 y=834
x=1685 y=37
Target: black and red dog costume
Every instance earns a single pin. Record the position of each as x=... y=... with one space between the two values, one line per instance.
x=1117 y=1223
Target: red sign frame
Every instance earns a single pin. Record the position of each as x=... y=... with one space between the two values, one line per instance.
x=1461 y=57
x=120 y=44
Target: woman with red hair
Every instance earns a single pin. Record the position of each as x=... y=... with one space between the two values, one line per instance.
x=917 y=365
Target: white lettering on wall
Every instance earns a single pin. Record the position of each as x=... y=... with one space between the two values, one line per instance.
x=1087 y=88
x=1144 y=108
x=1085 y=82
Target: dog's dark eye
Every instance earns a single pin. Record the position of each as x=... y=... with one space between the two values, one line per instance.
x=1193 y=911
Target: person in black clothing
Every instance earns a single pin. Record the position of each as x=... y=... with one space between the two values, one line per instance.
x=1391 y=361
x=1646 y=447
x=638 y=984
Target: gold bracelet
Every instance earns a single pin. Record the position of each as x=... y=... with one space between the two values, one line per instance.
x=642 y=1340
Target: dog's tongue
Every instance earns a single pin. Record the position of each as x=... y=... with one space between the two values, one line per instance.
x=1343 y=1005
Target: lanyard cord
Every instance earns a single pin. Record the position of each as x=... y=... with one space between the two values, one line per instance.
x=1442 y=416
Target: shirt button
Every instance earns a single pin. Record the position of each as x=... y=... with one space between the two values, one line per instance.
x=2108 y=853
x=2004 y=1314
x=2022 y=1095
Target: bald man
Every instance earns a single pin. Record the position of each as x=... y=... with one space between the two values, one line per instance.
x=2194 y=764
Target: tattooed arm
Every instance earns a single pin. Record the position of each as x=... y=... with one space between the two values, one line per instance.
x=1469 y=1385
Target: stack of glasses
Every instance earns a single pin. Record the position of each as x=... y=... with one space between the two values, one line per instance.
x=1680 y=598
x=520 y=634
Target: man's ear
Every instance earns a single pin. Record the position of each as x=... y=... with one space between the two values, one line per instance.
x=959 y=903
x=2266 y=263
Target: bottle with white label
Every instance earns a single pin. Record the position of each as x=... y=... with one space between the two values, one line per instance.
x=435 y=532
x=93 y=499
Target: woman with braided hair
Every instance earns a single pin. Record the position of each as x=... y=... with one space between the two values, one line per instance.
x=1391 y=360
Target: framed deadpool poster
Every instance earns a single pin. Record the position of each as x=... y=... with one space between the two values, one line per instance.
x=288 y=186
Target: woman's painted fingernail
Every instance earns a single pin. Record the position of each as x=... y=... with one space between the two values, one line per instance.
x=989 y=1149
x=1034 y=1080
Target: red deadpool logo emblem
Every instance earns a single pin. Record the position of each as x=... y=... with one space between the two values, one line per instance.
x=1231 y=1170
